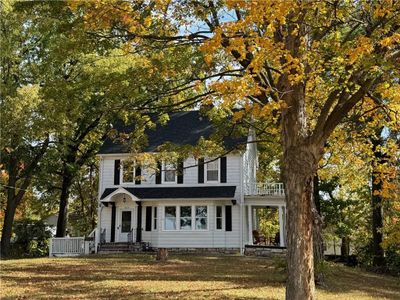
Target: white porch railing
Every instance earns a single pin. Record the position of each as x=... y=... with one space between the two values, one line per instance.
x=264 y=189
x=67 y=246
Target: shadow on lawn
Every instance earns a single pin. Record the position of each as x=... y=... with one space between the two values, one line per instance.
x=342 y=279
x=183 y=276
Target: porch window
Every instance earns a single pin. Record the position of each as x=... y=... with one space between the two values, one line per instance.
x=218 y=218
x=212 y=170
x=186 y=217
x=155 y=218
x=169 y=173
x=170 y=218
x=128 y=169
x=201 y=217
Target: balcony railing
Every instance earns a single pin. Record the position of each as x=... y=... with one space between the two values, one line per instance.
x=264 y=189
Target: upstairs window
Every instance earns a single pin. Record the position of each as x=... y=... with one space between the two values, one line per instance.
x=212 y=168
x=169 y=173
x=128 y=169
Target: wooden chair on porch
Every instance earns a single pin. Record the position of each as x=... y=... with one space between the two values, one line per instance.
x=258 y=239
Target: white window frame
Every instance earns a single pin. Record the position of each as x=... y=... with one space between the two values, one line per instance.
x=222 y=218
x=154 y=225
x=206 y=169
x=163 y=173
x=191 y=217
x=122 y=172
x=207 y=218
x=178 y=219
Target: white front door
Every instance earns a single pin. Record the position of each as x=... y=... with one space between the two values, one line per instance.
x=125 y=225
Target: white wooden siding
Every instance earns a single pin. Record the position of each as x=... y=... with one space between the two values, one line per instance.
x=210 y=238
x=189 y=177
x=106 y=221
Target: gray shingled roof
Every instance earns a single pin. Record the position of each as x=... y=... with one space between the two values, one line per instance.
x=183 y=128
x=177 y=192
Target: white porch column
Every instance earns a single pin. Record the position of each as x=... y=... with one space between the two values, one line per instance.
x=250 y=219
x=281 y=227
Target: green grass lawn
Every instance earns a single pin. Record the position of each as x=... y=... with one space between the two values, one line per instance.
x=182 y=277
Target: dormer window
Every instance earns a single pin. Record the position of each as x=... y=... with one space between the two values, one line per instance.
x=169 y=173
x=128 y=169
x=212 y=171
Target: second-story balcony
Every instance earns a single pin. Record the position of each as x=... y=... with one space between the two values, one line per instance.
x=264 y=189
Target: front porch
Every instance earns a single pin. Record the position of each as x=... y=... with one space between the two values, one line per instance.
x=120 y=216
x=266 y=216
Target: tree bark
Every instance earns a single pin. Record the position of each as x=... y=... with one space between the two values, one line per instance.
x=376 y=200
x=162 y=254
x=13 y=197
x=318 y=246
x=345 y=248
x=298 y=175
x=63 y=207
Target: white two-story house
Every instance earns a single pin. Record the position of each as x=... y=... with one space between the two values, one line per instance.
x=203 y=203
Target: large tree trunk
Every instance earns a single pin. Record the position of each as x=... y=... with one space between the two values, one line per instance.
x=376 y=201
x=63 y=207
x=345 y=248
x=377 y=222
x=15 y=194
x=318 y=246
x=300 y=165
x=8 y=219
x=300 y=217
x=10 y=208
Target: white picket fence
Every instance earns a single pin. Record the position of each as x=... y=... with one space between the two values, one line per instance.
x=68 y=246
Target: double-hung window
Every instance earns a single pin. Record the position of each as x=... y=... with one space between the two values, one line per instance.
x=201 y=217
x=212 y=173
x=169 y=173
x=128 y=169
x=155 y=218
x=218 y=218
x=170 y=218
x=186 y=218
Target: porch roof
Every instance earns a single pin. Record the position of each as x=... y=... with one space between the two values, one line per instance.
x=176 y=192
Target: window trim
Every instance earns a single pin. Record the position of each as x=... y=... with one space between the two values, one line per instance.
x=164 y=168
x=206 y=162
x=178 y=218
x=191 y=217
x=207 y=217
x=222 y=218
x=154 y=224
x=122 y=172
